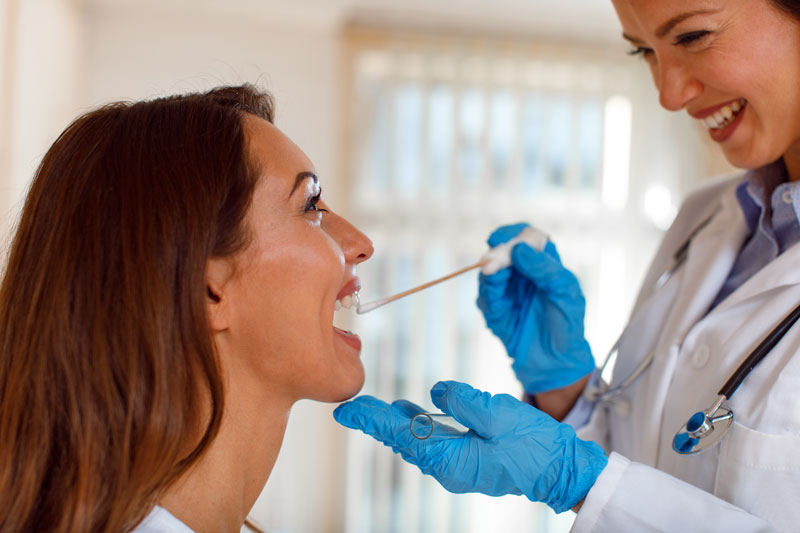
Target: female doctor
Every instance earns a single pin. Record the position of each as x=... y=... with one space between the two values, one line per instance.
x=727 y=273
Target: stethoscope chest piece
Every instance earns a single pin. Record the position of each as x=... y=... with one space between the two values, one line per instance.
x=703 y=430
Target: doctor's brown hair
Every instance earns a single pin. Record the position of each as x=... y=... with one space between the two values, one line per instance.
x=109 y=383
x=790 y=7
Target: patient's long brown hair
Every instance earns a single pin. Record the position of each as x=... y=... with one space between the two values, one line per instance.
x=107 y=367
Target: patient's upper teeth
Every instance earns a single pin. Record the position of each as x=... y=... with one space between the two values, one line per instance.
x=347 y=302
x=726 y=112
x=718 y=117
x=736 y=106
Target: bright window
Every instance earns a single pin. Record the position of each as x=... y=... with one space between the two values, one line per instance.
x=449 y=138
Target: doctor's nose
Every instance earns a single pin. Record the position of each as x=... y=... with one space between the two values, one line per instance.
x=676 y=84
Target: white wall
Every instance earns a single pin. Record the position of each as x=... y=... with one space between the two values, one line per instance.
x=141 y=52
x=41 y=69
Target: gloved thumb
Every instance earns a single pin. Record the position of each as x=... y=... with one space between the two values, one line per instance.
x=545 y=270
x=505 y=233
x=488 y=416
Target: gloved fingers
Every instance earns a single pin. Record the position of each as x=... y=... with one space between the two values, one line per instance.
x=505 y=233
x=383 y=422
x=490 y=416
x=495 y=286
x=409 y=409
x=550 y=249
x=365 y=413
x=469 y=406
x=493 y=294
x=350 y=414
x=366 y=400
x=500 y=279
x=545 y=272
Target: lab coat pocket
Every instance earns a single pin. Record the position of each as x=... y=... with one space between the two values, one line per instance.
x=760 y=473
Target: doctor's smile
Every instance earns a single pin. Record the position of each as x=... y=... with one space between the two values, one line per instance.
x=721 y=120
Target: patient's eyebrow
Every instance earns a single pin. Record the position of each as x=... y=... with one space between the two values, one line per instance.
x=674 y=21
x=301 y=177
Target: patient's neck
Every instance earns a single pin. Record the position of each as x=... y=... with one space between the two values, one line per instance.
x=217 y=493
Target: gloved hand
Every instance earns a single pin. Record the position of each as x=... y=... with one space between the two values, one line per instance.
x=536 y=308
x=511 y=448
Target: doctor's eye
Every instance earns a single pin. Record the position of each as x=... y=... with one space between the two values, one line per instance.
x=693 y=37
x=641 y=51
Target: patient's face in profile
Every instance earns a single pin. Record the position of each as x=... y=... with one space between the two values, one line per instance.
x=278 y=301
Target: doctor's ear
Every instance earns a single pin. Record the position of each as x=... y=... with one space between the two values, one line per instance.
x=218 y=273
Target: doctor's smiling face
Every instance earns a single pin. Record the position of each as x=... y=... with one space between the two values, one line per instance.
x=273 y=303
x=732 y=64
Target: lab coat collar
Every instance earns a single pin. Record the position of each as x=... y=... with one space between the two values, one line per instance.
x=780 y=272
x=712 y=253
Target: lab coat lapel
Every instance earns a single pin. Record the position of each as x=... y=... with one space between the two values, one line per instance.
x=711 y=255
x=780 y=272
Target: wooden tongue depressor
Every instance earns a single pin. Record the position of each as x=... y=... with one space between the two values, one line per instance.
x=371 y=306
x=496 y=258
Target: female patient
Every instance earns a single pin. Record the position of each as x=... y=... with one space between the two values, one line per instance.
x=169 y=295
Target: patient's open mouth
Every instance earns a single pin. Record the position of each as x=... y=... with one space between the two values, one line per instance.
x=346 y=302
x=348 y=298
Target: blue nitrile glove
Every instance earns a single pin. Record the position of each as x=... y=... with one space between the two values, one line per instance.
x=511 y=448
x=536 y=308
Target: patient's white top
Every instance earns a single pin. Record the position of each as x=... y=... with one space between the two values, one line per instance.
x=161 y=521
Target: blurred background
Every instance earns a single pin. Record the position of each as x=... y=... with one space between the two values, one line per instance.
x=430 y=123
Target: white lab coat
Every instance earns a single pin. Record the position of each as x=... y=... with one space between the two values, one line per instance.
x=751 y=480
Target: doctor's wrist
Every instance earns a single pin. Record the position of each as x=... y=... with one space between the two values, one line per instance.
x=558 y=402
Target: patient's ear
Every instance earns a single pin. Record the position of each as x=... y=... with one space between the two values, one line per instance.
x=218 y=273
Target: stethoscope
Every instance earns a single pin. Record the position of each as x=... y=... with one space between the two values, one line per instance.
x=704 y=428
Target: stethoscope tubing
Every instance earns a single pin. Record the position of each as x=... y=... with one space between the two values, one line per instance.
x=608 y=395
x=678 y=259
x=760 y=351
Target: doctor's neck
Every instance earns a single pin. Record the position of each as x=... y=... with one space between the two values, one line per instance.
x=792 y=161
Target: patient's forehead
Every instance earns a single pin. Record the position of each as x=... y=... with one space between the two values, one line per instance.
x=273 y=152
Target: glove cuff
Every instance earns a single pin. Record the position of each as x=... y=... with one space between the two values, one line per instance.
x=586 y=463
x=563 y=378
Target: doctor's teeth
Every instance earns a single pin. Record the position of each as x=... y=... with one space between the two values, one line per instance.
x=724 y=115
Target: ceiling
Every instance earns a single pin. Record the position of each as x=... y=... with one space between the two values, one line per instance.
x=573 y=20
